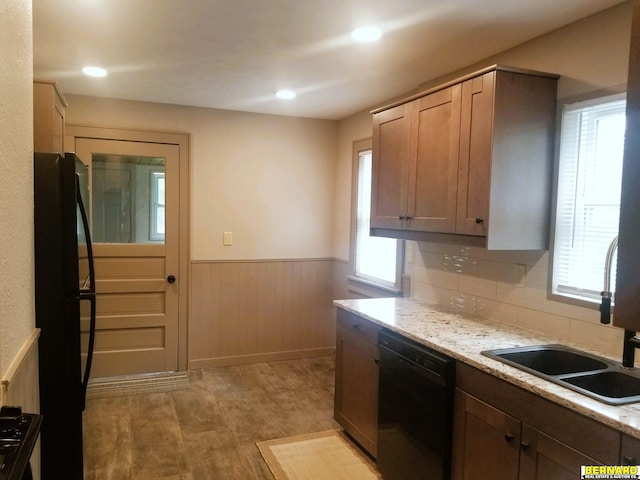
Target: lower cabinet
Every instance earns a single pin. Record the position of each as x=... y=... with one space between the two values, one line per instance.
x=505 y=433
x=500 y=432
x=356 y=387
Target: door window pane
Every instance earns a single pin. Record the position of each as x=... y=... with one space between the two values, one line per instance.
x=127 y=198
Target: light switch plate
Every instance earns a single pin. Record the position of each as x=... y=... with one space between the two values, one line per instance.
x=227 y=239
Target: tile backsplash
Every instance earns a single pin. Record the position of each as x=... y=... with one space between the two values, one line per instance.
x=506 y=286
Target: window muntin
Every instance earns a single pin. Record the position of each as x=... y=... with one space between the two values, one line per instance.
x=588 y=197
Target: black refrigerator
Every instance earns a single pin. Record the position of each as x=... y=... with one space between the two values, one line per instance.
x=64 y=291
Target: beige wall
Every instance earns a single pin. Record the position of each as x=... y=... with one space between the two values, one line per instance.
x=267 y=179
x=283 y=187
x=18 y=355
x=589 y=55
x=17 y=308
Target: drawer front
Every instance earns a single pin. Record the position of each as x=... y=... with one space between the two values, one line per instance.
x=349 y=322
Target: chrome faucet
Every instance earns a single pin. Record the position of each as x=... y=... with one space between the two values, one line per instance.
x=605 y=306
x=631 y=342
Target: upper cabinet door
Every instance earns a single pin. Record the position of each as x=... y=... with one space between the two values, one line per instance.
x=473 y=158
x=391 y=130
x=474 y=173
x=434 y=162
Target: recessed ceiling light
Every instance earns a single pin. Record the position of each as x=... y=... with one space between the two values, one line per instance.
x=94 y=71
x=366 y=34
x=286 y=94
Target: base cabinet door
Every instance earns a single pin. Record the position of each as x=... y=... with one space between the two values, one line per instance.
x=629 y=451
x=489 y=443
x=486 y=441
x=545 y=458
x=356 y=387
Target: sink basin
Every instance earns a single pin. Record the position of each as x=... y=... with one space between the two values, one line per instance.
x=582 y=372
x=609 y=384
x=550 y=359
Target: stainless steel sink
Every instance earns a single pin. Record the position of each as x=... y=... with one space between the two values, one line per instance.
x=588 y=374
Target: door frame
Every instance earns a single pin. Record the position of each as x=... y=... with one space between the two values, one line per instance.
x=182 y=141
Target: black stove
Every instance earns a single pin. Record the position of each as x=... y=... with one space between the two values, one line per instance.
x=18 y=435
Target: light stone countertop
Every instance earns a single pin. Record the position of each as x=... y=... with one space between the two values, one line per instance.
x=463 y=337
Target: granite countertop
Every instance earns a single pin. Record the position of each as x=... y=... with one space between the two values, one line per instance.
x=463 y=337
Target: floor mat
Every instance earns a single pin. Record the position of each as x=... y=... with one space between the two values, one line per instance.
x=317 y=456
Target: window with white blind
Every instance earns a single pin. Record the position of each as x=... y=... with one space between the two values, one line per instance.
x=588 y=198
x=376 y=261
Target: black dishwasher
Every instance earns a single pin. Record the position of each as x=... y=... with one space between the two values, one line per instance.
x=415 y=410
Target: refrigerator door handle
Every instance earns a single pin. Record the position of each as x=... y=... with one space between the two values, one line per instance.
x=88 y=294
x=91 y=297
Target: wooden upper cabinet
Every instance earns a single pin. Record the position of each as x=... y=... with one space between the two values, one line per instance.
x=48 y=118
x=475 y=155
x=627 y=300
x=477 y=160
x=390 y=167
x=433 y=168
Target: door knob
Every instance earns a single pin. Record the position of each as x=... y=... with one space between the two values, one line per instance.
x=171 y=278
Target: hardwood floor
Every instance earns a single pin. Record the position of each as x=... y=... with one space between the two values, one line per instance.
x=208 y=430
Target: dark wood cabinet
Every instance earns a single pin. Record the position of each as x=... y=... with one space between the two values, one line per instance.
x=545 y=458
x=627 y=301
x=506 y=433
x=486 y=441
x=472 y=157
x=356 y=387
x=630 y=451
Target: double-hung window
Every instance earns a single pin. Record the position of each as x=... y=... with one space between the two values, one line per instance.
x=376 y=264
x=588 y=196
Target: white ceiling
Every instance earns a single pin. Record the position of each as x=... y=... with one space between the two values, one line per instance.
x=234 y=54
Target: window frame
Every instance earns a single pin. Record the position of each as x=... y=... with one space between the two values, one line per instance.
x=571 y=298
x=364 y=285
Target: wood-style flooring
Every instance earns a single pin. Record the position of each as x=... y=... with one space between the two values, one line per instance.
x=208 y=430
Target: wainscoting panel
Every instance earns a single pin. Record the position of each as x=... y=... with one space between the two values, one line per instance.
x=249 y=311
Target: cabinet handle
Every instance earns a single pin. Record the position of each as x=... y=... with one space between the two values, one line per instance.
x=629 y=461
x=355 y=326
x=408 y=218
x=508 y=437
x=525 y=445
x=402 y=217
x=479 y=220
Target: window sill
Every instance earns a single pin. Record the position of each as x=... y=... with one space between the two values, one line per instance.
x=370 y=288
x=577 y=301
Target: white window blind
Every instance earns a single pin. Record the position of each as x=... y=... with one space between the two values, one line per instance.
x=588 y=202
x=375 y=257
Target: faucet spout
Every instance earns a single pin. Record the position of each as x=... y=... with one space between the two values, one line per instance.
x=605 y=306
